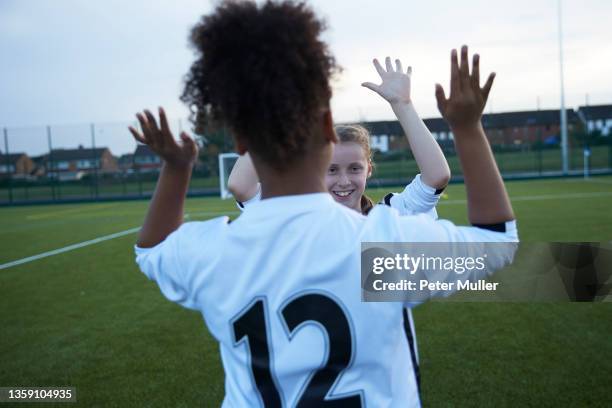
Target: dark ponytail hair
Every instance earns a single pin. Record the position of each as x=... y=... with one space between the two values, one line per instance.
x=366 y=204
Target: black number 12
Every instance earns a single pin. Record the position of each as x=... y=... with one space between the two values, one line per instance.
x=252 y=325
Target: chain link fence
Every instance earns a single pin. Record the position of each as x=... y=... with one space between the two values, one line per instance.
x=88 y=162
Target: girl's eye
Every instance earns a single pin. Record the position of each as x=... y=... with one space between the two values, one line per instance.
x=356 y=169
x=331 y=170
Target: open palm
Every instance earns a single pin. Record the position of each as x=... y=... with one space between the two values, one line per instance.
x=160 y=140
x=395 y=87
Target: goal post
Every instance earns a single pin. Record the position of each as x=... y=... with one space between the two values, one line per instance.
x=226 y=163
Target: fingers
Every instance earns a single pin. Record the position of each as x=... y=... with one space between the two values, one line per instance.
x=398 y=66
x=188 y=142
x=139 y=138
x=186 y=138
x=464 y=68
x=487 y=87
x=455 y=84
x=409 y=71
x=379 y=68
x=388 y=64
x=163 y=121
x=153 y=134
x=144 y=126
x=152 y=123
x=372 y=86
x=441 y=99
x=165 y=128
x=475 y=72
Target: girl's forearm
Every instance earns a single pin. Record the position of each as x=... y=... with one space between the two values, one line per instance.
x=165 y=214
x=488 y=201
x=427 y=153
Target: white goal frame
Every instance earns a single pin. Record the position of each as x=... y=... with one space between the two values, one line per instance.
x=222 y=174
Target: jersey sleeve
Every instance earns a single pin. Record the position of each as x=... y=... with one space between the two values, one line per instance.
x=171 y=263
x=244 y=204
x=444 y=239
x=496 y=245
x=162 y=264
x=417 y=198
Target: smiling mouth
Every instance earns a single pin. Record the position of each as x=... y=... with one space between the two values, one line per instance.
x=343 y=194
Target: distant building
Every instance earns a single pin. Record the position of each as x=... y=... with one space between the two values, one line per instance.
x=146 y=160
x=527 y=127
x=597 y=118
x=15 y=165
x=502 y=129
x=383 y=134
x=126 y=162
x=73 y=164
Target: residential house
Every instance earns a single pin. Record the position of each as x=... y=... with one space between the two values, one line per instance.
x=527 y=127
x=503 y=129
x=126 y=162
x=146 y=160
x=597 y=118
x=15 y=165
x=73 y=164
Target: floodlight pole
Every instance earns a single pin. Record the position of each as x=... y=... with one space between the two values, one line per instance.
x=564 y=148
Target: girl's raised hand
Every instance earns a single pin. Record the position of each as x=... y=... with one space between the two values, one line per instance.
x=395 y=87
x=466 y=102
x=161 y=141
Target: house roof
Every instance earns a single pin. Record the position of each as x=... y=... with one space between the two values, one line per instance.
x=12 y=158
x=490 y=120
x=76 y=154
x=144 y=150
x=126 y=158
x=594 y=112
x=527 y=118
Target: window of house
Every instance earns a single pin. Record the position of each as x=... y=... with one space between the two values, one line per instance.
x=83 y=164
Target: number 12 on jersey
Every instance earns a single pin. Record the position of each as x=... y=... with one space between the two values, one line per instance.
x=251 y=326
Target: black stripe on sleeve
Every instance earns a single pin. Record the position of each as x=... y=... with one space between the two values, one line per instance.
x=499 y=227
x=439 y=191
x=415 y=363
x=387 y=199
x=240 y=204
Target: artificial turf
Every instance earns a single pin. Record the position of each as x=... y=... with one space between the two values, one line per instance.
x=88 y=318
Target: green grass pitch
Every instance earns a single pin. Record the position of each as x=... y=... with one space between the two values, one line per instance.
x=88 y=318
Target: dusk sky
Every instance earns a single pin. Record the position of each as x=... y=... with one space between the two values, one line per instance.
x=68 y=63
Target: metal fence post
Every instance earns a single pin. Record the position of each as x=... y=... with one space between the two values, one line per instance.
x=540 y=149
x=49 y=171
x=8 y=166
x=95 y=162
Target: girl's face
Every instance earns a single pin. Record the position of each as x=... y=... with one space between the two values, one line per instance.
x=347 y=174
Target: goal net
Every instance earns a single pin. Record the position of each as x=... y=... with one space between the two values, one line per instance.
x=226 y=162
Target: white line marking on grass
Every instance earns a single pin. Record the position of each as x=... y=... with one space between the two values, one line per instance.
x=68 y=211
x=210 y=213
x=69 y=248
x=543 y=197
x=100 y=239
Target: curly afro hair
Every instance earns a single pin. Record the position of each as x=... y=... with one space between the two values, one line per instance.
x=264 y=72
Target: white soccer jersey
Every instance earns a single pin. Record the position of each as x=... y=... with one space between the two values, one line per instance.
x=417 y=198
x=280 y=289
